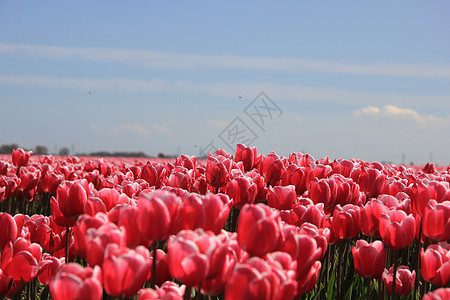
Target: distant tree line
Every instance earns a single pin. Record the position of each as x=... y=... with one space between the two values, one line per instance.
x=64 y=151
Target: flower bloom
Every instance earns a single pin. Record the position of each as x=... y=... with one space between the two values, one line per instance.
x=404 y=280
x=397 y=229
x=369 y=259
x=436 y=220
x=436 y=264
x=258 y=229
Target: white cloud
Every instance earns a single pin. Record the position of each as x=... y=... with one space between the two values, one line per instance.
x=115 y=131
x=172 y=60
x=163 y=129
x=217 y=123
x=228 y=89
x=401 y=114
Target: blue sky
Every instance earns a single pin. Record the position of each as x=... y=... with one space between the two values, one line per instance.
x=352 y=79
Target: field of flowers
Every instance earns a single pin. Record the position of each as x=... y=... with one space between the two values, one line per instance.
x=243 y=226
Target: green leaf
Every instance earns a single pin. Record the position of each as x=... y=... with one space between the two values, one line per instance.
x=331 y=291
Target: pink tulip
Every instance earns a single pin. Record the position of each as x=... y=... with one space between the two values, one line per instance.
x=258 y=229
x=72 y=281
x=125 y=270
x=369 y=259
x=404 y=280
x=397 y=229
x=436 y=264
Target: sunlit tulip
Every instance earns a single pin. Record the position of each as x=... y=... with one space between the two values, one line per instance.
x=436 y=264
x=247 y=155
x=125 y=270
x=8 y=229
x=369 y=259
x=404 y=280
x=46 y=274
x=208 y=212
x=257 y=279
x=217 y=170
x=159 y=214
x=423 y=191
x=71 y=198
x=272 y=168
x=436 y=220
x=21 y=157
x=281 y=197
x=241 y=190
x=397 y=229
x=438 y=294
x=346 y=221
x=187 y=258
x=258 y=229
x=71 y=281
x=168 y=291
x=371 y=181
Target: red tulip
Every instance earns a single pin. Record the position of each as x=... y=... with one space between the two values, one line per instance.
x=369 y=259
x=208 y=212
x=438 y=294
x=423 y=191
x=99 y=239
x=48 y=234
x=125 y=270
x=222 y=260
x=168 y=291
x=371 y=181
x=189 y=162
x=71 y=281
x=301 y=247
x=257 y=279
x=159 y=214
x=436 y=264
x=241 y=190
x=71 y=197
x=83 y=224
x=258 y=229
x=272 y=168
x=261 y=189
x=45 y=275
x=247 y=155
x=218 y=168
x=29 y=178
x=436 y=220
x=404 y=280
x=20 y=260
x=110 y=197
x=343 y=167
x=307 y=283
x=21 y=157
x=187 y=257
x=9 y=229
x=346 y=221
x=127 y=218
x=299 y=177
x=397 y=229
x=281 y=197
x=153 y=174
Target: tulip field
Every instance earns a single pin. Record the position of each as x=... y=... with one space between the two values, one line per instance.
x=234 y=226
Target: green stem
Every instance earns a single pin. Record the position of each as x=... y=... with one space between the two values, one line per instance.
x=67 y=243
x=153 y=279
x=394 y=280
x=339 y=267
x=417 y=261
x=187 y=293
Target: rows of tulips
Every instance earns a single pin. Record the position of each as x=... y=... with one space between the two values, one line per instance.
x=244 y=227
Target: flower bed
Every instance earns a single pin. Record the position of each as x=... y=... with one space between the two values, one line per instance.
x=242 y=226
